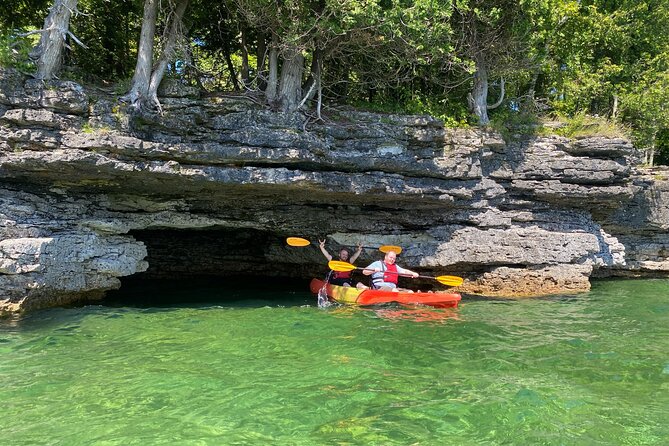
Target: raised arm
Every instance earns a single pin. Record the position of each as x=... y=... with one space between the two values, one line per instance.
x=323 y=250
x=357 y=253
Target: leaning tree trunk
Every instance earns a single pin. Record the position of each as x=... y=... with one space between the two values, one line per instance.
x=231 y=67
x=167 y=53
x=49 y=50
x=141 y=80
x=261 y=61
x=271 y=92
x=245 y=70
x=478 y=98
x=311 y=86
x=290 y=85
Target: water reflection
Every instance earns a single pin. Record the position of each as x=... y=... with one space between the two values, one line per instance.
x=419 y=314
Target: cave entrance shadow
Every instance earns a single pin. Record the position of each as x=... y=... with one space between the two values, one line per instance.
x=219 y=266
x=240 y=291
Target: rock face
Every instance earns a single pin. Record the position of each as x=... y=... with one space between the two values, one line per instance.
x=213 y=186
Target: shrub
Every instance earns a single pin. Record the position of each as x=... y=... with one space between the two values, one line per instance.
x=14 y=50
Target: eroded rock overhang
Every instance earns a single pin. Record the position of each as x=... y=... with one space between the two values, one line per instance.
x=89 y=195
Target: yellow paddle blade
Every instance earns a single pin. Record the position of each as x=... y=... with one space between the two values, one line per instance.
x=450 y=280
x=297 y=241
x=338 y=265
x=387 y=248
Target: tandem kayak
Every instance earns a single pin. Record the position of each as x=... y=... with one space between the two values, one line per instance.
x=352 y=295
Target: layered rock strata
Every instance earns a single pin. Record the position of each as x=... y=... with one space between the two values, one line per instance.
x=90 y=194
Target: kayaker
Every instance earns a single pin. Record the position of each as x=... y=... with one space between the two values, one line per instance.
x=341 y=278
x=386 y=272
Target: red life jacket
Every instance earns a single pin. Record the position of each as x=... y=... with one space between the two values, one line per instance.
x=392 y=278
x=341 y=274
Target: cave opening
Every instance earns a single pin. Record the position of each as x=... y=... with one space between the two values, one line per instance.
x=191 y=266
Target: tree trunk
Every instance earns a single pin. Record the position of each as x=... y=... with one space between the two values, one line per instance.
x=231 y=67
x=271 y=92
x=342 y=85
x=614 y=111
x=478 y=98
x=290 y=85
x=261 y=61
x=649 y=156
x=650 y=151
x=142 y=77
x=49 y=50
x=310 y=87
x=320 y=100
x=531 y=92
x=167 y=53
x=246 y=76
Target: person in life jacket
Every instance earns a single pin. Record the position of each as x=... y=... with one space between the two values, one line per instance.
x=386 y=272
x=341 y=278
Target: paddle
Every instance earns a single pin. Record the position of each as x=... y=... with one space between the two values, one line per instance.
x=338 y=265
x=298 y=241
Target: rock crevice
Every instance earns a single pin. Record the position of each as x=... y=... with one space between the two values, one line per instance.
x=90 y=194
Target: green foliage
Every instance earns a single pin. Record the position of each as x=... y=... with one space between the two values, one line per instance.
x=645 y=104
x=582 y=124
x=23 y=14
x=110 y=30
x=595 y=46
x=574 y=58
x=14 y=51
x=122 y=86
x=662 y=156
x=451 y=114
x=511 y=123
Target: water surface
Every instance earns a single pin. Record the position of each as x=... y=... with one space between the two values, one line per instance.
x=273 y=368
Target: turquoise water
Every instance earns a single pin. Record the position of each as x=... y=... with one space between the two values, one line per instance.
x=275 y=369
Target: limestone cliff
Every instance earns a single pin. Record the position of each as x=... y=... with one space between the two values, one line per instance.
x=214 y=185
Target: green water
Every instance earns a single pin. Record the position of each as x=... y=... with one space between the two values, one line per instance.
x=275 y=369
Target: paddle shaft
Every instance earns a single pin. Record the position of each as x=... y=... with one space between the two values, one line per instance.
x=395 y=272
x=298 y=241
x=337 y=265
x=438 y=279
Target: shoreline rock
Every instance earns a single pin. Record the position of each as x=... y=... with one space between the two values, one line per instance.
x=90 y=194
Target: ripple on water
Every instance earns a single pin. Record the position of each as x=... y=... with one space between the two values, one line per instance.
x=590 y=370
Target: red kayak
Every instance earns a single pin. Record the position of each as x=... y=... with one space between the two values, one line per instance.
x=354 y=296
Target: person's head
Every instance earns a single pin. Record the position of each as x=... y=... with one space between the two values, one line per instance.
x=343 y=254
x=390 y=257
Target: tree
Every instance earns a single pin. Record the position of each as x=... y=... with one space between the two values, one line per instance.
x=214 y=41
x=139 y=90
x=173 y=31
x=19 y=14
x=304 y=31
x=492 y=38
x=147 y=77
x=399 y=55
x=609 y=58
x=49 y=51
x=283 y=21
x=108 y=29
x=646 y=106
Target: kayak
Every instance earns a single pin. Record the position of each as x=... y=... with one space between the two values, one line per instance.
x=351 y=295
